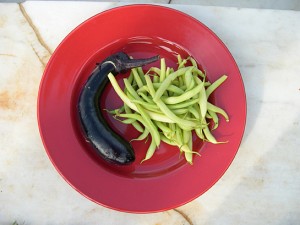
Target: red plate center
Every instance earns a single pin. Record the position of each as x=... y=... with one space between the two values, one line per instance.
x=166 y=157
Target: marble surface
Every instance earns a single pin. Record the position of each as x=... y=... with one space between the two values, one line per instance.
x=262 y=186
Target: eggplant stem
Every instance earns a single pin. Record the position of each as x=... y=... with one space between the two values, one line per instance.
x=122 y=62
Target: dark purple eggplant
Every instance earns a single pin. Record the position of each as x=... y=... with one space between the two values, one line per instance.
x=108 y=144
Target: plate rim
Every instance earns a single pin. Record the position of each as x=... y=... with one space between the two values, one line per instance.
x=52 y=58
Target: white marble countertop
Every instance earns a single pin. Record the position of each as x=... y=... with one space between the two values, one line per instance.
x=262 y=186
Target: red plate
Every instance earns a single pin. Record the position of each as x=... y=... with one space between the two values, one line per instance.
x=166 y=181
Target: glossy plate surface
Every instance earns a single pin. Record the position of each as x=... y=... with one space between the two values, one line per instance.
x=165 y=181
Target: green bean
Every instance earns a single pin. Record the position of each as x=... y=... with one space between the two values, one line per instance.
x=172 y=126
x=137 y=77
x=181 y=82
x=179 y=59
x=183 y=62
x=190 y=142
x=171 y=135
x=146 y=98
x=208 y=116
x=203 y=103
x=153 y=69
x=199 y=72
x=206 y=84
x=184 y=104
x=188 y=78
x=156 y=79
x=150 y=85
x=209 y=136
x=166 y=83
x=131 y=90
x=148 y=125
x=217 y=110
x=130 y=78
x=197 y=115
x=115 y=111
x=134 y=116
x=193 y=61
x=184 y=124
x=162 y=70
x=149 y=106
x=142 y=136
x=165 y=131
x=119 y=91
x=141 y=74
x=143 y=89
x=179 y=111
x=170 y=105
x=176 y=83
x=187 y=95
x=163 y=127
x=178 y=133
x=134 y=123
x=185 y=148
x=214 y=118
x=168 y=70
x=150 y=151
x=126 y=100
x=128 y=121
x=152 y=128
x=215 y=84
x=187 y=135
x=171 y=88
x=199 y=133
x=203 y=99
x=167 y=140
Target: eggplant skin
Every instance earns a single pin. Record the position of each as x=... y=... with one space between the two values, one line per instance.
x=108 y=144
